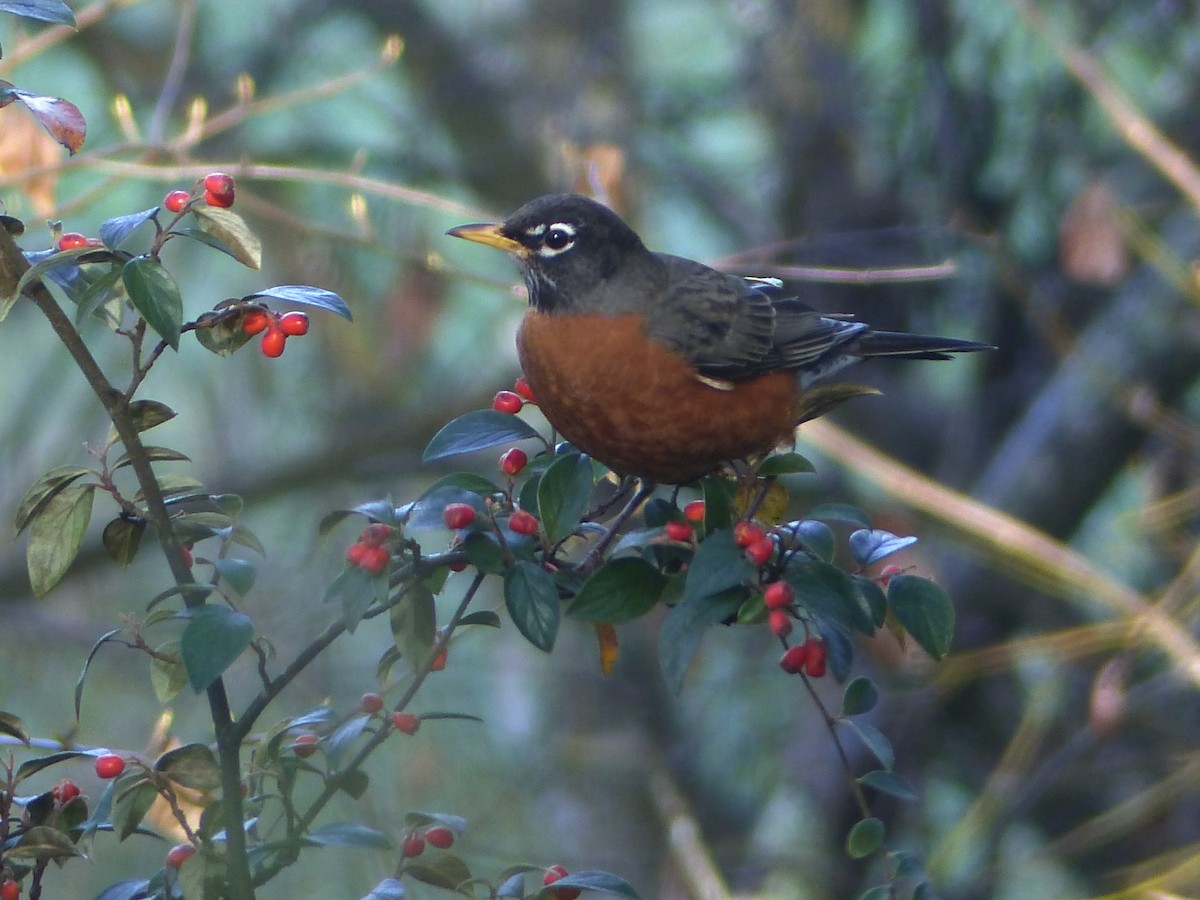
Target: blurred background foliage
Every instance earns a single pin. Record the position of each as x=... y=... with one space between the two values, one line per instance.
x=1055 y=751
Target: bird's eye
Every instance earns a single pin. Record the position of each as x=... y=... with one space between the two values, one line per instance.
x=559 y=237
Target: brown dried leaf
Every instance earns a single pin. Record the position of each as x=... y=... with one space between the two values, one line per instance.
x=1091 y=244
x=26 y=147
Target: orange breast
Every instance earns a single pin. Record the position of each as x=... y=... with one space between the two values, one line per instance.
x=631 y=403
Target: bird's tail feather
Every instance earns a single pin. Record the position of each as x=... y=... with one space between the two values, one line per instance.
x=901 y=345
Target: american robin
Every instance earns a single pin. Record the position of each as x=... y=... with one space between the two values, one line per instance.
x=661 y=367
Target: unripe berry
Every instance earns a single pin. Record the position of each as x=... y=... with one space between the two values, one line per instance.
x=72 y=240
x=179 y=854
x=779 y=622
x=793 y=659
x=761 y=551
x=694 y=512
x=746 y=533
x=294 y=324
x=176 y=200
x=256 y=320
x=778 y=595
x=414 y=845
x=521 y=386
x=304 y=745
x=814 y=665
x=110 y=765
x=371 y=702
x=374 y=560
x=375 y=534
x=557 y=873
x=523 y=522
x=507 y=402
x=679 y=531
x=9 y=890
x=273 y=342
x=406 y=722
x=513 y=461
x=458 y=515
x=218 y=190
x=439 y=836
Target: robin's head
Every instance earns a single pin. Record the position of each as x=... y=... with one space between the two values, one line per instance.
x=568 y=247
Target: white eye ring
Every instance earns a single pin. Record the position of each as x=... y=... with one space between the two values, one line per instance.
x=557 y=239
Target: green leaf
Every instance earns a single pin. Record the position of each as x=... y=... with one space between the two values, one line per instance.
x=348 y=834
x=414 y=624
x=104 y=639
x=685 y=625
x=418 y=819
x=718 y=503
x=155 y=295
x=44 y=490
x=54 y=11
x=600 y=882
x=122 y=537
x=114 y=231
x=480 y=617
x=213 y=638
x=145 y=414
x=192 y=765
x=56 y=536
x=563 y=495
x=621 y=589
x=879 y=892
x=220 y=334
x=232 y=232
x=860 y=696
x=135 y=794
x=306 y=295
x=718 y=565
x=445 y=871
x=239 y=574
x=42 y=843
x=816 y=536
x=873 y=596
x=825 y=590
x=785 y=464
x=924 y=610
x=867 y=546
x=880 y=746
x=478 y=430
x=531 y=597
x=38 y=764
x=167 y=675
x=840 y=512
x=13 y=727
x=865 y=838
x=888 y=783
x=154 y=454
x=356 y=589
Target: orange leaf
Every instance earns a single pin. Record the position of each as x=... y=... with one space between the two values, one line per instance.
x=606 y=636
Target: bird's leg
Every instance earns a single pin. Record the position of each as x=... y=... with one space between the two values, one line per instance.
x=596 y=555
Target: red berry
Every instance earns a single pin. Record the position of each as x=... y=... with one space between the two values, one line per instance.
x=458 y=515
x=355 y=553
x=179 y=854
x=439 y=836
x=523 y=522
x=761 y=551
x=414 y=845
x=439 y=661
x=186 y=551
x=513 y=461
x=694 y=512
x=793 y=659
x=9 y=890
x=371 y=702
x=814 y=665
x=779 y=622
x=406 y=722
x=374 y=560
x=110 y=765
x=522 y=387
x=256 y=320
x=218 y=187
x=294 y=324
x=176 y=200
x=72 y=240
x=679 y=531
x=746 y=533
x=304 y=744
x=778 y=595
x=557 y=873
x=273 y=342
x=507 y=402
x=887 y=573
x=66 y=791
x=375 y=534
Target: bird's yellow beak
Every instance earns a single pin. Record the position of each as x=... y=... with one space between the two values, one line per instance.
x=491 y=235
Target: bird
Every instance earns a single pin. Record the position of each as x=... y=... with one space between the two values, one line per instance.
x=661 y=367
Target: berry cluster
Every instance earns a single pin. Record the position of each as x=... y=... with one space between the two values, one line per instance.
x=369 y=552
x=275 y=328
x=809 y=658
x=216 y=189
x=438 y=836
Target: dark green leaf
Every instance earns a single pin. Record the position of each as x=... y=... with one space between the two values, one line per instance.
x=718 y=503
x=43 y=490
x=104 y=639
x=418 y=819
x=865 y=838
x=426 y=512
x=231 y=232
x=563 y=495
x=924 y=610
x=306 y=295
x=239 y=574
x=873 y=596
x=869 y=547
x=621 y=589
x=155 y=295
x=42 y=843
x=348 y=834
x=685 y=625
x=718 y=565
x=121 y=538
x=154 y=454
x=222 y=335
x=54 y=11
x=192 y=765
x=56 y=536
x=96 y=296
x=785 y=464
x=531 y=597
x=135 y=794
x=353 y=783
x=444 y=871
x=484 y=553
x=825 y=590
x=480 y=617
x=817 y=538
x=880 y=746
x=114 y=231
x=888 y=783
x=13 y=727
x=214 y=637
x=33 y=766
x=600 y=882
x=477 y=431
x=145 y=414
x=860 y=696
